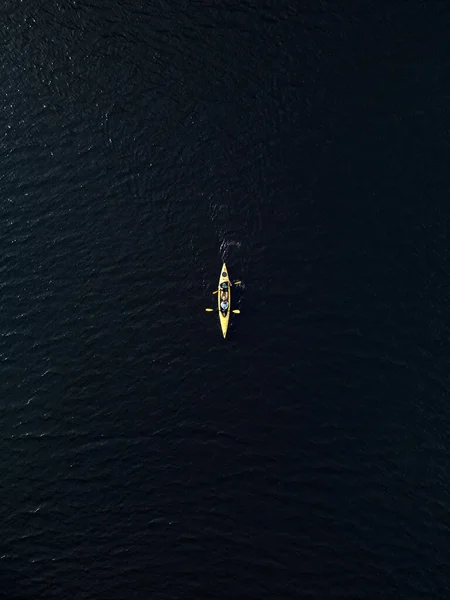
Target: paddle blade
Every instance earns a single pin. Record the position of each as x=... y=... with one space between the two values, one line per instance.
x=216 y=292
x=209 y=309
x=237 y=282
x=238 y=312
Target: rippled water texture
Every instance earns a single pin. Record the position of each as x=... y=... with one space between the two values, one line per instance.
x=143 y=143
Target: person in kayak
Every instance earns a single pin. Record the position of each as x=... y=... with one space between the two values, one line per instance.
x=224 y=295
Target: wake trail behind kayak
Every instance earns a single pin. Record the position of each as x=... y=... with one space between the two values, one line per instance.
x=228 y=248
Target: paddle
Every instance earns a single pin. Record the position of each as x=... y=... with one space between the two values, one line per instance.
x=234 y=283
x=236 y=311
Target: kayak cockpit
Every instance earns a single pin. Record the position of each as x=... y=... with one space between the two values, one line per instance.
x=224 y=298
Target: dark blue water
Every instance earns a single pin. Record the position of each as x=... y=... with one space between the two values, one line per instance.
x=307 y=145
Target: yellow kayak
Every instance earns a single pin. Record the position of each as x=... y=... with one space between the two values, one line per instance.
x=224 y=299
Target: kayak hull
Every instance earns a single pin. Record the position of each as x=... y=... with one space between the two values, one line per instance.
x=224 y=315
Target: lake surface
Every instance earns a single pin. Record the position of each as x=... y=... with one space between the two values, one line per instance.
x=307 y=145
